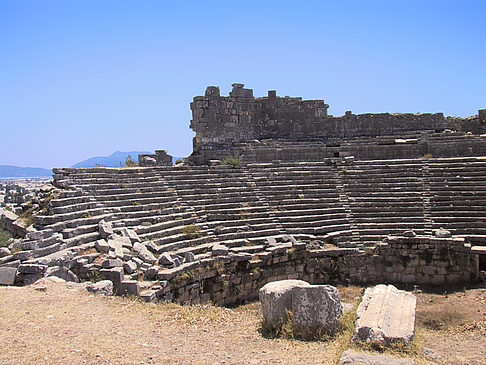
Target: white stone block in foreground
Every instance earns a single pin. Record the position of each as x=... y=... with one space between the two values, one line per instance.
x=385 y=316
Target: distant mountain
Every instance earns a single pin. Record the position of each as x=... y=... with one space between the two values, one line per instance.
x=112 y=160
x=17 y=171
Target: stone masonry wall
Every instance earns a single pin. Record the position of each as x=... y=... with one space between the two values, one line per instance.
x=221 y=122
x=228 y=280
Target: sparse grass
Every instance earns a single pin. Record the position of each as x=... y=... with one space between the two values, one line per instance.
x=4 y=237
x=27 y=216
x=95 y=276
x=136 y=203
x=87 y=251
x=442 y=318
x=234 y=162
x=191 y=231
x=182 y=334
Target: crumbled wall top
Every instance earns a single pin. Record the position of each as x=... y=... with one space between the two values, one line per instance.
x=222 y=120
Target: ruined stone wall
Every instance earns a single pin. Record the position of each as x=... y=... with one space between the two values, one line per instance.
x=222 y=122
x=421 y=260
x=160 y=158
x=241 y=117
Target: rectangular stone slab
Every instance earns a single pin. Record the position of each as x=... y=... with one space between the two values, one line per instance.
x=385 y=316
x=7 y=275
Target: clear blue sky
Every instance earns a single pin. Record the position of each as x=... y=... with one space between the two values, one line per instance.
x=86 y=78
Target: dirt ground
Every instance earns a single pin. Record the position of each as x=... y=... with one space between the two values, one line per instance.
x=48 y=323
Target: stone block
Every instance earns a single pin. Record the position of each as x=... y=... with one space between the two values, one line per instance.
x=131 y=234
x=385 y=316
x=104 y=287
x=442 y=233
x=130 y=267
x=116 y=275
x=137 y=247
x=4 y=251
x=276 y=300
x=220 y=250
x=102 y=246
x=151 y=273
x=188 y=257
x=129 y=287
x=7 y=275
x=147 y=256
x=34 y=269
x=148 y=295
x=165 y=259
x=105 y=229
x=352 y=358
x=61 y=272
x=108 y=264
x=316 y=307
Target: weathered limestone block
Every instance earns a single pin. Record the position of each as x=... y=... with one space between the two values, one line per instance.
x=4 y=251
x=351 y=357
x=442 y=233
x=137 y=247
x=188 y=257
x=147 y=256
x=102 y=246
x=220 y=250
x=385 y=316
x=311 y=307
x=130 y=233
x=61 y=272
x=130 y=267
x=7 y=275
x=276 y=299
x=151 y=273
x=32 y=269
x=115 y=275
x=109 y=263
x=116 y=241
x=165 y=259
x=130 y=287
x=105 y=229
x=104 y=287
x=316 y=307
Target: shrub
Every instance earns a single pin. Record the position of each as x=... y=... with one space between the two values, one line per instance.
x=27 y=216
x=179 y=160
x=4 y=237
x=234 y=162
x=129 y=162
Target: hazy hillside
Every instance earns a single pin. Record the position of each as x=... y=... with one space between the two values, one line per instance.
x=112 y=160
x=17 y=171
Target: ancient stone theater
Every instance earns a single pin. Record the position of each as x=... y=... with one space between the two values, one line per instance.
x=276 y=188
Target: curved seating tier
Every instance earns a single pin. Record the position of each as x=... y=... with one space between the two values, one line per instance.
x=343 y=202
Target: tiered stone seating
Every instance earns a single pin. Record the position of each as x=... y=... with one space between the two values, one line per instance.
x=303 y=197
x=186 y=210
x=458 y=195
x=385 y=197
